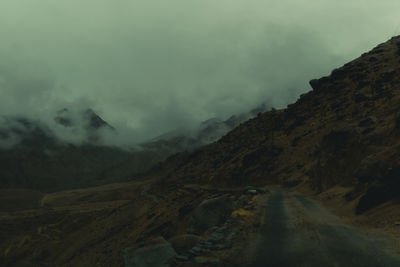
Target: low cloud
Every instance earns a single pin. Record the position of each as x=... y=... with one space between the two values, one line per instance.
x=148 y=67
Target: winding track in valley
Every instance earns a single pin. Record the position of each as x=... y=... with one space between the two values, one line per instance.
x=296 y=231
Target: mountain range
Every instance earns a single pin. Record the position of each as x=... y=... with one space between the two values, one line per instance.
x=75 y=155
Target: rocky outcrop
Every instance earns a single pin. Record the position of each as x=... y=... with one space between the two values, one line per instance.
x=183 y=243
x=211 y=212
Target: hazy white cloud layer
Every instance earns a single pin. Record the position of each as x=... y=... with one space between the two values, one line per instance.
x=153 y=65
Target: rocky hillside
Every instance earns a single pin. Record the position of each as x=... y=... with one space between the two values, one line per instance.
x=346 y=131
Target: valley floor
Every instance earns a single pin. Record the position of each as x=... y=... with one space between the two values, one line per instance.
x=278 y=227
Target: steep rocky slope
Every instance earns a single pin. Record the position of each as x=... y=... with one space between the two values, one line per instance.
x=343 y=133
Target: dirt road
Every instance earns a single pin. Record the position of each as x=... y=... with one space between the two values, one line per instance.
x=298 y=232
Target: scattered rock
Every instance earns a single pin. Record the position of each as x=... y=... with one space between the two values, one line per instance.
x=341 y=137
x=372 y=59
x=216 y=237
x=182 y=258
x=368 y=130
x=197 y=249
x=207 y=261
x=183 y=243
x=359 y=97
x=339 y=74
x=151 y=256
x=206 y=244
x=211 y=212
x=242 y=213
x=370 y=169
x=243 y=200
x=317 y=84
x=251 y=190
x=376 y=194
x=368 y=122
x=387 y=76
x=383 y=189
x=291 y=182
x=253 y=157
x=397 y=122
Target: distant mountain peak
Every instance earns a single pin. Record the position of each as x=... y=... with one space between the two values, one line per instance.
x=21 y=130
x=95 y=121
x=88 y=117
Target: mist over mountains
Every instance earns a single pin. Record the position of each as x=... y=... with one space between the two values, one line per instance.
x=152 y=67
x=69 y=127
x=79 y=149
x=85 y=127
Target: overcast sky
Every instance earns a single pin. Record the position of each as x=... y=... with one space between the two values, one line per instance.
x=156 y=65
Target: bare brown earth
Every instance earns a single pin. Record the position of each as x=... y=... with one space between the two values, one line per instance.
x=384 y=218
x=338 y=144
